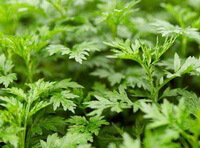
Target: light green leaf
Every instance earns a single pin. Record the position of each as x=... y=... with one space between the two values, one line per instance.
x=64 y=99
x=52 y=49
x=177 y=62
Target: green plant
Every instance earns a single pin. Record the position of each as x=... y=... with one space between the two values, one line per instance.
x=99 y=73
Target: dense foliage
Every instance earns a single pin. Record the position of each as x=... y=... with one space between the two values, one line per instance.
x=99 y=73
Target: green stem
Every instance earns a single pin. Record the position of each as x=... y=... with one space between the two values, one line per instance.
x=28 y=137
x=152 y=86
x=165 y=82
x=29 y=70
x=58 y=9
x=184 y=46
x=162 y=85
x=22 y=143
x=26 y=124
x=195 y=144
x=187 y=136
x=114 y=30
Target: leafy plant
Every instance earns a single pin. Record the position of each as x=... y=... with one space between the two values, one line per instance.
x=99 y=73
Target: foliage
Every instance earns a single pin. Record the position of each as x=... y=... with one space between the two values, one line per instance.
x=99 y=73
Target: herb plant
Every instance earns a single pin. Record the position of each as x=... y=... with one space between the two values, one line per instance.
x=99 y=73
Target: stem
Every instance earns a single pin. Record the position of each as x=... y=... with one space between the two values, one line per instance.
x=183 y=50
x=25 y=124
x=195 y=144
x=28 y=137
x=29 y=69
x=114 y=31
x=188 y=137
x=22 y=143
x=152 y=87
x=184 y=46
x=165 y=82
x=58 y=9
x=162 y=85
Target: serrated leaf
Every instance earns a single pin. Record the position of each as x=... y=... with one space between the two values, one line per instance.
x=80 y=51
x=166 y=29
x=177 y=62
x=6 y=80
x=6 y=77
x=69 y=140
x=18 y=92
x=38 y=106
x=49 y=123
x=67 y=83
x=112 y=76
x=52 y=49
x=81 y=125
x=64 y=99
x=116 y=101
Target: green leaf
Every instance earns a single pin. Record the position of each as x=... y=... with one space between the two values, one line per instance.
x=139 y=51
x=167 y=114
x=12 y=104
x=81 y=125
x=191 y=65
x=9 y=135
x=115 y=12
x=127 y=50
x=182 y=14
x=169 y=93
x=136 y=78
x=159 y=117
x=6 y=80
x=192 y=33
x=6 y=77
x=38 y=88
x=52 y=49
x=192 y=101
x=80 y=51
x=177 y=62
x=18 y=92
x=5 y=64
x=128 y=142
x=64 y=99
x=49 y=123
x=112 y=76
x=116 y=101
x=38 y=106
x=67 y=83
x=70 y=140
x=166 y=29
x=162 y=139
x=20 y=45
